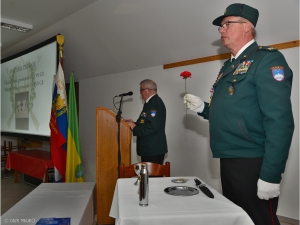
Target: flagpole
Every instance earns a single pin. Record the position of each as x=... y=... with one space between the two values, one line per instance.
x=59 y=121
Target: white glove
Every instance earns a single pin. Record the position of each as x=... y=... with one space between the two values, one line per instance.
x=193 y=103
x=267 y=190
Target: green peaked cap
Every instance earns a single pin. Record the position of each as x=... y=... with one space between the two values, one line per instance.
x=238 y=9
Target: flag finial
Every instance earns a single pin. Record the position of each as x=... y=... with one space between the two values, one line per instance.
x=60 y=40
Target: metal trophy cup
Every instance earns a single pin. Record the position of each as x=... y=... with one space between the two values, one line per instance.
x=137 y=171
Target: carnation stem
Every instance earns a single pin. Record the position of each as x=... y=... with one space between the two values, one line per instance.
x=185 y=103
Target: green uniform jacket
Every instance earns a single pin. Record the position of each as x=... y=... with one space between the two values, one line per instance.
x=250 y=114
x=150 y=128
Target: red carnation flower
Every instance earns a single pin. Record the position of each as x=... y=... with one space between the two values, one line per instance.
x=186 y=74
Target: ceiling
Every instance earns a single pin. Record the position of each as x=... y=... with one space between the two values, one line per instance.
x=111 y=36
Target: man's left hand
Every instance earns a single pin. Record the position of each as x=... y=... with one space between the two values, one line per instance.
x=131 y=124
x=267 y=190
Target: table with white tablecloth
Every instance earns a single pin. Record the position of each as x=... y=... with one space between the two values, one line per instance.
x=173 y=210
x=60 y=200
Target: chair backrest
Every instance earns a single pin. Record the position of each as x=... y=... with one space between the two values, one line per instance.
x=4 y=151
x=3 y=147
x=154 y=170
x=17 y=147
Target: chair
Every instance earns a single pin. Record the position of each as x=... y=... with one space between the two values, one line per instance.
x=4 y=153
x=17 y=147
x=6 y=149
x=154 y=170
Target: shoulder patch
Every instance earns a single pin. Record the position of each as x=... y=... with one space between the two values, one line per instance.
x=153 y=112
x=267 y=48
x=278 y=73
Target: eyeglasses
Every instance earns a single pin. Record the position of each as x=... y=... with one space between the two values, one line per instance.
x=227 y=24
x=145 y=89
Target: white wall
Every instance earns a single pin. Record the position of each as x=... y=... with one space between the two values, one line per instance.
x=188 y=137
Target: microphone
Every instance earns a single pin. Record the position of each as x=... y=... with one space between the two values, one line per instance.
x=125 y=94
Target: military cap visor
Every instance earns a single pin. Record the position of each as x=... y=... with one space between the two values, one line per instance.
x=240 y=10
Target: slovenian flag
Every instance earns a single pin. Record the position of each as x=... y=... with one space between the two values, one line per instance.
x=74 y=169
x=59 y=126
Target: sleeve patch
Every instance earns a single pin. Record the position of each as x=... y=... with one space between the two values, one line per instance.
x=278 y=73
x=153 y=112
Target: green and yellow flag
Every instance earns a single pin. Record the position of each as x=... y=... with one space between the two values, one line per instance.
x=74 y=169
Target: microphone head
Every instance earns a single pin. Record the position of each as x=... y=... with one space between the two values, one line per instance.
x=125 y=94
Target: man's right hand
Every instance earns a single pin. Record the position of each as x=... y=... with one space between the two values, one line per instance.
x=128 y=120
x=193 y=102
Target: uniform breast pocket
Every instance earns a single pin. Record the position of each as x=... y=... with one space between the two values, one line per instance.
x=238 y=86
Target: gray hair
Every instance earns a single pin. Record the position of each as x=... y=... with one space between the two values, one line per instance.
x=149 y=84
x=253 y=31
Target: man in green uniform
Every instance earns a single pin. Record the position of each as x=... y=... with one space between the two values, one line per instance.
x=250 y=116
x=150 y=126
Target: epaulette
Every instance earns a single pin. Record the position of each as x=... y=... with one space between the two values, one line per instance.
x=267 y=48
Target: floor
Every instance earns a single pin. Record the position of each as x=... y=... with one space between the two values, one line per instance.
x=287 y=221
x=12 y=192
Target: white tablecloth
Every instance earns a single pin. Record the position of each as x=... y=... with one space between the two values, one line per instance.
x=173 y=210
x=48 y=200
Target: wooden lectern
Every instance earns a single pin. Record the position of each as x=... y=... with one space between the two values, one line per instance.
x=107 y=159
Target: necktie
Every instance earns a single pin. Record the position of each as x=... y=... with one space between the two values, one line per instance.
x=232 y=60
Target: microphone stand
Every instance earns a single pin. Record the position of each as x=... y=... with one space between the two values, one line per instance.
x=118 y=119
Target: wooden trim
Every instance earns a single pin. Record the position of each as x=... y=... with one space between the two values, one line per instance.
x=290 y=44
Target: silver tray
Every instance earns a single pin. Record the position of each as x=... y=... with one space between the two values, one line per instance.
x=181 y=191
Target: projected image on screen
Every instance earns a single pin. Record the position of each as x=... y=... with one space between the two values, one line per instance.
x=26 y=91
x=22 y=119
